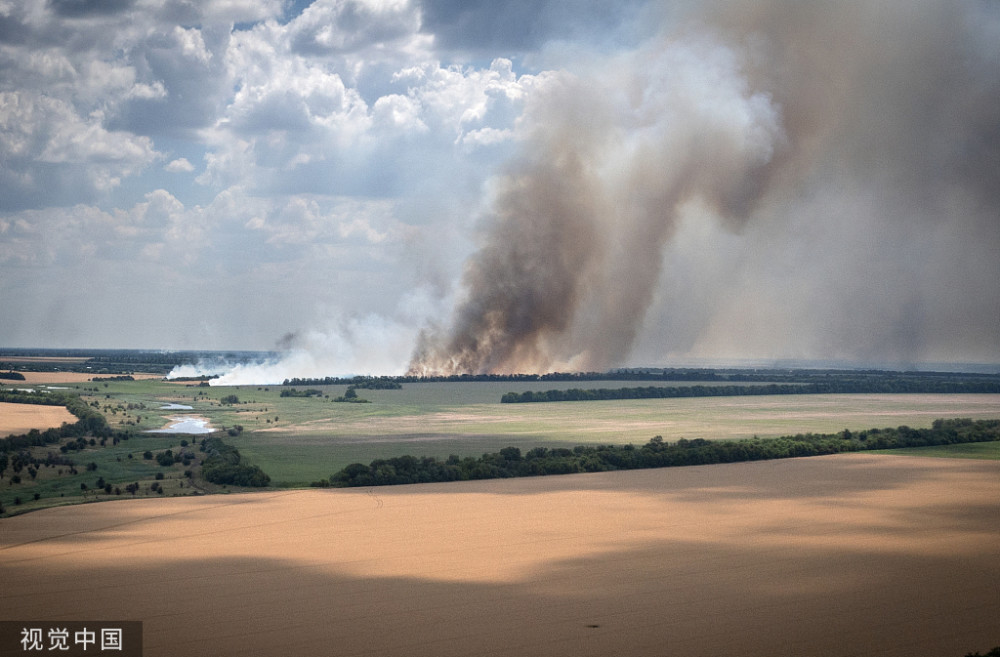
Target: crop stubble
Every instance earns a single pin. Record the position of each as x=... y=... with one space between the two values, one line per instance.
x=22 y=418
x=851 y=554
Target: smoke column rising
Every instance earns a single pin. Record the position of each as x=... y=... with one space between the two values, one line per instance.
x=813 y=130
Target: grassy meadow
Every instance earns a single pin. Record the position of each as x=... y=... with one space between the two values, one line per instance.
x=297 y=440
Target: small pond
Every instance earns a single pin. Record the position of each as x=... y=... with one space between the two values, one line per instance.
x=176 y=407
x=185 y=424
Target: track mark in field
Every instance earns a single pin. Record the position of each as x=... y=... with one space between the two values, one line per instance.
x=376 y=498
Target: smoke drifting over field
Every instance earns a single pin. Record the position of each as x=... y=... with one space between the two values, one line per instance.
x=359 y=346
x=853 y=147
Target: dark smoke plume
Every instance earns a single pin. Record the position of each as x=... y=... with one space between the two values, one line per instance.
x=853 y=137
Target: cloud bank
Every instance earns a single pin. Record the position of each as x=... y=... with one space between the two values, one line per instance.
x=487 y=187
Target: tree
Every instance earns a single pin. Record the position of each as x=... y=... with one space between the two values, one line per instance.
x=511 y=453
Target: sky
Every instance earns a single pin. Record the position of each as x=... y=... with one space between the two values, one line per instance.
x=382 y=186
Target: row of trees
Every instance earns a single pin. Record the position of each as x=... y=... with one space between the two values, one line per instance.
x=657 y=453
x=901 y=381
x=295 y=392
x=367 y=382
x=869 y=386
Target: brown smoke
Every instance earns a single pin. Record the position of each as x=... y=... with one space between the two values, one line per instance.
x=752 y=113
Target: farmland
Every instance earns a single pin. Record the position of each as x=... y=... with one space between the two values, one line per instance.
x=850 y=554
x=297 y=440
x=846 y=554
x=21 y=418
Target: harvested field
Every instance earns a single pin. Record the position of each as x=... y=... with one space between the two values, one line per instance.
x=35 y=378
x=842 y=555
x=639 y=420
x=22 y=418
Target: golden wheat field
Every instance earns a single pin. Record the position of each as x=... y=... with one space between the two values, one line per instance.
x=22 y=418
x=841 y=555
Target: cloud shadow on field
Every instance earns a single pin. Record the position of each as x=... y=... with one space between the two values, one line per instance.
x=669 y=597
x=825 y=476
x=828 y=556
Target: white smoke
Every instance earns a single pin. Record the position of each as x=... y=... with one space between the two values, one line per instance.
x=366 y=345
x=204 y=367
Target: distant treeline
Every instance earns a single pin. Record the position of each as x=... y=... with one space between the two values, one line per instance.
x=365 y=382
x=842 y=385
x=823 y=380
x=657 y=453
x=395 y=382
x=119 y=361
x=294 y=392
x=12 y=376
x=350 y=395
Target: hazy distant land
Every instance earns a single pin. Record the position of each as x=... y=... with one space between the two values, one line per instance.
x=297 y=435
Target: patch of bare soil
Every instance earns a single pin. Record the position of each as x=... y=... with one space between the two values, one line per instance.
x=842 y=555
x=22 y=418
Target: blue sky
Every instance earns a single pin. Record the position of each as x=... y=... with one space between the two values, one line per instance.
x=237 y=174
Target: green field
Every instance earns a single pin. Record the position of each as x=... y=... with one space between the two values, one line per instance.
x=981 y=451
x=298 y=440
x=55 y=485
